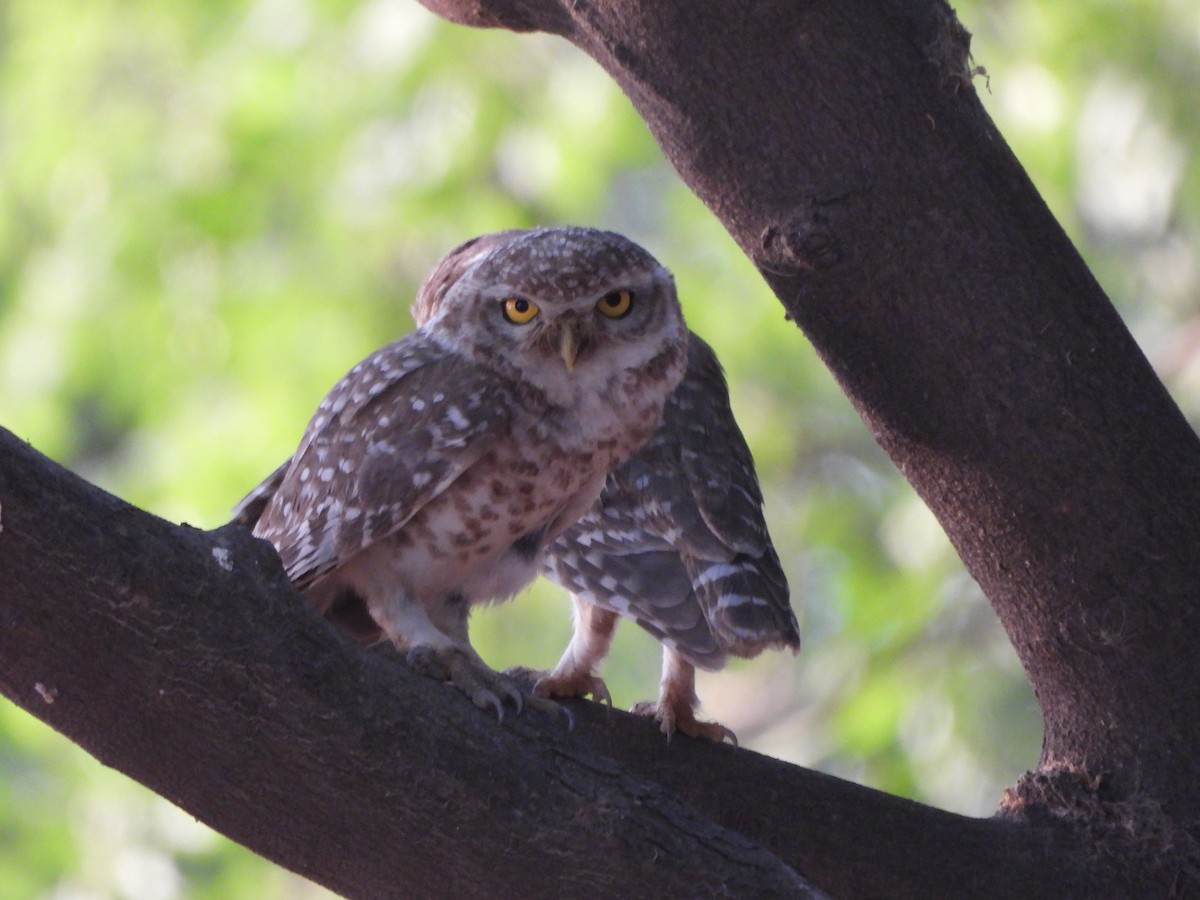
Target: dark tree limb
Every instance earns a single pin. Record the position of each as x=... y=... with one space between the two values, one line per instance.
x=843 y=147
x=184 y=660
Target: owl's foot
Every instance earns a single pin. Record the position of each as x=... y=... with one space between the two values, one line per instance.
x=487 y=688
x=562 y=684
x=680 y=717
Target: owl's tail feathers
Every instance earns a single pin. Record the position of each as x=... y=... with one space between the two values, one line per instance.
x=747 y=602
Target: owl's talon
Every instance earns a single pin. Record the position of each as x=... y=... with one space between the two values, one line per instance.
x=533 y=683
x=682 y=719
x=485 y=699
x=487 y=688
x=593 y=687
x=514 y=695
x=526 y=678
x=573 y=684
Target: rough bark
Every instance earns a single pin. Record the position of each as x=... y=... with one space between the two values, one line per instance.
x=844 y=148
x=186 y=661
x=183 y=659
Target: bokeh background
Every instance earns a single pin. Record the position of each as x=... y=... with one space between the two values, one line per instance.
x=210 y=210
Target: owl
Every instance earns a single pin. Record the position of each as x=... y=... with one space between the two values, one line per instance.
x=676 y=542
x=436 y=473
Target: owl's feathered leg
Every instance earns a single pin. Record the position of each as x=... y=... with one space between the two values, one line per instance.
x=676 y=706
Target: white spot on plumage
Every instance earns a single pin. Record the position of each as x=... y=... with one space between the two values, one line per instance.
x=712 y=573
x=741 y=600
x=745 y=493
x=619 y=603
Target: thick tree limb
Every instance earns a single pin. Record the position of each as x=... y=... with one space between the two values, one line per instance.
x=186 y=661
x=843 y=146
x=183 y=659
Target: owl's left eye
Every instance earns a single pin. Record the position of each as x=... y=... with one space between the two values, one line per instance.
x=616 y=304
x=518 y=310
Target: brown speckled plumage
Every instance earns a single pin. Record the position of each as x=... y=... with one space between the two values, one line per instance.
x=439 y=468
x=677 y=542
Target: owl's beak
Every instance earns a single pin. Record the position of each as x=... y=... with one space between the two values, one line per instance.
x=568 y=346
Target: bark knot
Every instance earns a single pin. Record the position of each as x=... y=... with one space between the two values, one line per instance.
x=804 y=242
x=1126 y=835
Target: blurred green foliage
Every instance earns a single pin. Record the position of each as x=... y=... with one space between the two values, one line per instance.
x=209 y=211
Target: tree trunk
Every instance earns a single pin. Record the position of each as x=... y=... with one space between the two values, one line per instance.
x=843 y=146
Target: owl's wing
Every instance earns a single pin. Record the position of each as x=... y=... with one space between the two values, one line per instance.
x=677 y=541
x=388 y=431
x=722 y=535
x=617 y=558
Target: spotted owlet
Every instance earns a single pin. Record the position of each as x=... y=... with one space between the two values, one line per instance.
x=437 y=471
x=677 y=542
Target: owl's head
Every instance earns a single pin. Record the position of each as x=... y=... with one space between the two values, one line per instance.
x=565 y=308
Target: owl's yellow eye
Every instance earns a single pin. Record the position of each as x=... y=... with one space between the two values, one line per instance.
x=616 y=304
x=519 y=311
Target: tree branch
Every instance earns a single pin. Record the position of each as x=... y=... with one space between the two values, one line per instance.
x=185 y=660
x=844 y=148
